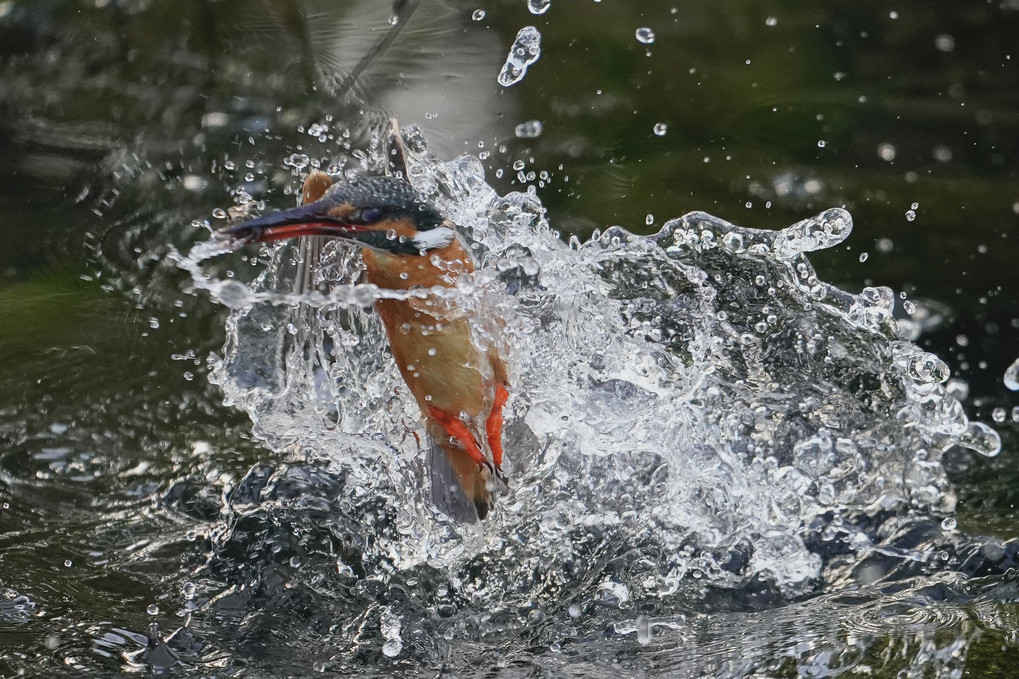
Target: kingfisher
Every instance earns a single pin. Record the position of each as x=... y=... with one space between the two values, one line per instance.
x=458 y=379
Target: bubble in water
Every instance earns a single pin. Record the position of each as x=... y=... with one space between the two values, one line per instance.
x=949 y=524
x=660 y=129
x=645 y=35
x=528 y=130
x=478 y=15
x=999 y=415
x=525 y=50
x=538 y=6
x=1011 y=377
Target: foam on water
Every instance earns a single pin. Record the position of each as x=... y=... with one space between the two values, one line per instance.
x=694 y=406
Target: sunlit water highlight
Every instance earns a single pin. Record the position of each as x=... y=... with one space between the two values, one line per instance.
x=700 y=429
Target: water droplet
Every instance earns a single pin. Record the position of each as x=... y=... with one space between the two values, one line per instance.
x=649 y=219
x=525 y=50
x=660 y=129
x=1011 y=377
x=925 y=367
x=999 y=415
x=68 y=563
x=645 y=35
x=528 y=130
x=942 y=154
x=910 y=215
x=771 y=21
x=863 y=257
x=219 y=213
x=295 y=561
x=949 y=523
x=152 y=609
x=886 y=152
x=821 y=143
x=478 y=15
x=538 y=6
x=944 y=42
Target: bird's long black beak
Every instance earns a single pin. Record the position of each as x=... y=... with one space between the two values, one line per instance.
x=312 y=219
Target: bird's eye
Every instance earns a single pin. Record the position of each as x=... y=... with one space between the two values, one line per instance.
x=372 y=214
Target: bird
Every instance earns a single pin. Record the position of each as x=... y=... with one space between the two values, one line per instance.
x=459 y=380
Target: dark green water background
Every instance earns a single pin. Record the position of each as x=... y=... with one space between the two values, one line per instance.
x=773 y=112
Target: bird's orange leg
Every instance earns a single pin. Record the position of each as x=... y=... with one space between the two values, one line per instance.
x=455 y=428
x=493 y=425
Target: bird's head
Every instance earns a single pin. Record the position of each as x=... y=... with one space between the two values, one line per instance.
x=381 y=213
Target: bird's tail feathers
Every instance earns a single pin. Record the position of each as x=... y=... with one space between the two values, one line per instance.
x=461 y=488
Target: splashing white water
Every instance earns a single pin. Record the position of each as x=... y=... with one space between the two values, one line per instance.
x=699 y=392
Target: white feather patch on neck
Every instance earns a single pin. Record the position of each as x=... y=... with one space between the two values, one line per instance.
x=432 y=239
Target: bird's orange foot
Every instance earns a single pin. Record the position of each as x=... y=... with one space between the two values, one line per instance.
x=493 y=426
x=455 y=428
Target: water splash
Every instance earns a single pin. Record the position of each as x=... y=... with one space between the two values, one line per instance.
x=693 y=409
x=525 y=50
